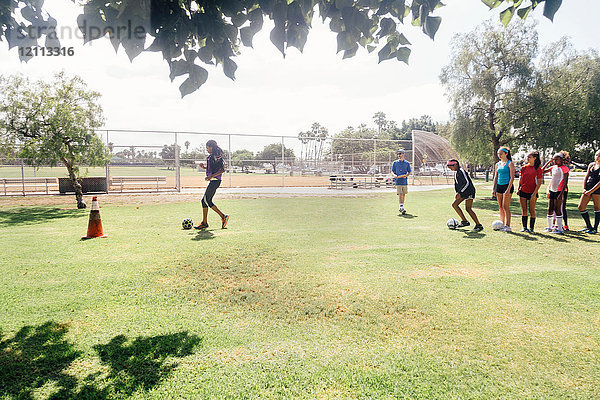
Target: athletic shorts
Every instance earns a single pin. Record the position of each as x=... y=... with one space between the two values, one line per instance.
x=502 y=188
x=467 y=195
x=553 y=195
x=526 y=195
x=401 y=189
x=588 y=187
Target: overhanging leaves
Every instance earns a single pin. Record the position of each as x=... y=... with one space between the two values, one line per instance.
x=215 y=30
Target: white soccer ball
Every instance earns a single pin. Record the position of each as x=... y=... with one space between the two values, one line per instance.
x=452 y=223
x=187 y=223
x=497 y=225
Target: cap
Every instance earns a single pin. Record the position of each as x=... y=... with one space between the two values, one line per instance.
x=400 y=151
x=451 y=163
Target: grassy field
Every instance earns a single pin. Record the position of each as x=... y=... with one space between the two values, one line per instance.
x=327 y=298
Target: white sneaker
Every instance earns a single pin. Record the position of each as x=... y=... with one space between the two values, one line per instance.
x=506 y=229
x=557 y=231
x=548 y=229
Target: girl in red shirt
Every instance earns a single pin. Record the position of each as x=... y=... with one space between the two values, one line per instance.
x=529 y=184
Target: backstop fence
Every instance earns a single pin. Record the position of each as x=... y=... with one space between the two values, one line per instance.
x=171 y=161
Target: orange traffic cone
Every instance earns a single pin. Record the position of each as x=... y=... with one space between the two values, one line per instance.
x=95 y=223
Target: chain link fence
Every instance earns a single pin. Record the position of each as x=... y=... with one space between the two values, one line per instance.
x=170 y=161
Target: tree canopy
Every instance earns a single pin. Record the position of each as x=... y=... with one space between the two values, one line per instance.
x=488 y=80
x=190 y=33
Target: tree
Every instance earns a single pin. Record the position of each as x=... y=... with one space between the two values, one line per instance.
x=357 y=153
x=54 y=122
x=167 y=153
x=243 y=158
x=312 y=143
x=211 y=32
x=271 y=154
x=381 y=121
x=566 y=99
x=423 y=123
x=488 y=79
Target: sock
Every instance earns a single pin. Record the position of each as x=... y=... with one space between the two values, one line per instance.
x=401 y=205
x=524 y=220
x=586 y=217
x=531 y=223
x=565 y=216
x=596 y=219
x=559 y=223
x=550 y=219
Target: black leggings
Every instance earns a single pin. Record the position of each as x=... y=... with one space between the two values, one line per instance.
x=211 y=189
x=564 y=205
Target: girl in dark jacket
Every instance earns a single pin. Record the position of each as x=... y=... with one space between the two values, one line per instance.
x=214 y=170
x=465 y=191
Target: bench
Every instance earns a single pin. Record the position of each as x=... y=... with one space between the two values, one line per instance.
x=25 y=183
x=122 y=181
x=356 y=182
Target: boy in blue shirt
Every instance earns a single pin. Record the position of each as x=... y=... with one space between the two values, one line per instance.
x=400 y=171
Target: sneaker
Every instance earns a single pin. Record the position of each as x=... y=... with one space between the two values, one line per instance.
x=224 y=221
x=585 y=230
x=525 y=230
x=403 y=211
x=557 y=231
x=592 y=231
x=478 y=228
x=203 y=225
x=565 y=228
x=506 y=229
x=548 y=230
x=463 y=224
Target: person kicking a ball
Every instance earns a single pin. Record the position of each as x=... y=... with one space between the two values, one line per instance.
x=400 y=171
x=465 y=191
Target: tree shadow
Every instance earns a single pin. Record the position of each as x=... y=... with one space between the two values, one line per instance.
x=39 y=356
x=143 y=363
x=35 y=215
x=204 y=235
x=34 y=357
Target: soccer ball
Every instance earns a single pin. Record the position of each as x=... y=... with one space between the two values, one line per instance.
x=452 y=223
x=187 y=223
x=497 y=225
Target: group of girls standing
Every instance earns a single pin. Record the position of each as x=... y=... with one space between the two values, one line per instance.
x=529 y=184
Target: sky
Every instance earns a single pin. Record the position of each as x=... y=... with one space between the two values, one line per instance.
x=273 y=95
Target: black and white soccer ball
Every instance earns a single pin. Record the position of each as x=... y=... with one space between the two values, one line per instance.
x=187 y=223
x=452 y=223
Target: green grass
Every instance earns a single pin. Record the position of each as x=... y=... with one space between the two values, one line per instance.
x=298 y=298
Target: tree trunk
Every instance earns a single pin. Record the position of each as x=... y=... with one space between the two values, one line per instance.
x=496 y=146
x=274 y=167
x=76 y=185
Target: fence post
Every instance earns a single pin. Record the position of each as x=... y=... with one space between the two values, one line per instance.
x=414 y=150
x=229 y=161
x=23 y=176
x=282 y=163
x=177 y=167
x=374 y=156
x=108 y=166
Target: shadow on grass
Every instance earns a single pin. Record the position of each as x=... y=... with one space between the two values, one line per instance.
x=470 y=234
x=408 y=216
x=35 y=215
x=38 y=358
x=204 y=235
